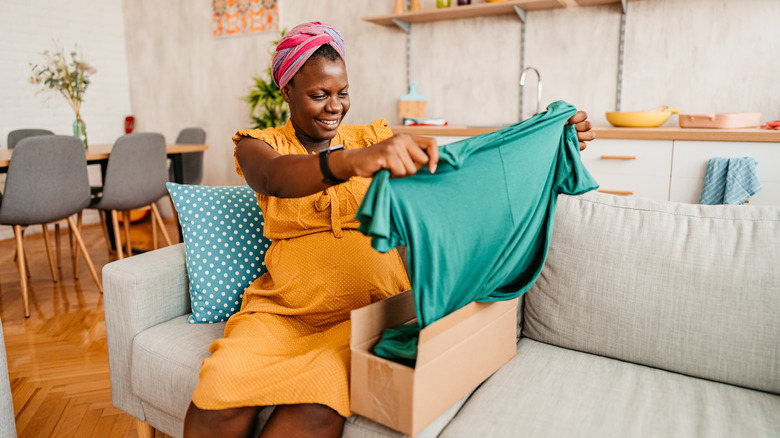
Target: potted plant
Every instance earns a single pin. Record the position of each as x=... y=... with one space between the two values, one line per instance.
x=67 y=75
x=267 y=107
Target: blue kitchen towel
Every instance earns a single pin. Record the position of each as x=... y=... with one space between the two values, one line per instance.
x=729 y=181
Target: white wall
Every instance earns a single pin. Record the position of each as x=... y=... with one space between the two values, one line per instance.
x=27 y=27
x=696 y=55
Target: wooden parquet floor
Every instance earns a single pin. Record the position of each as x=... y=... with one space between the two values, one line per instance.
x=57 y=358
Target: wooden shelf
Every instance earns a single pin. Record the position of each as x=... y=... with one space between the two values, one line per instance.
x=468 y=11
x=508 y=7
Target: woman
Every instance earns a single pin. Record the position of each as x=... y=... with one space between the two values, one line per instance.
x=289 y=344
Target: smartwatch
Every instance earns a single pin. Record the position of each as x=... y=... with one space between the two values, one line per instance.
x=327 y=175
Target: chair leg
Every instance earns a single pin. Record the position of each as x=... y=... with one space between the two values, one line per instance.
x=154 y=233
x=26 y=262
x=117 y=240
x=84 y=252
x=22 y=267
x=143 y=429
x=72 y=245
x=156 y=216
x=104 y=227
x=57 y=241
x=126 y=226
x=47 y=243
x=77 y=257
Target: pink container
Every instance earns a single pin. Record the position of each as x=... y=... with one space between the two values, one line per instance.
x=720 y=120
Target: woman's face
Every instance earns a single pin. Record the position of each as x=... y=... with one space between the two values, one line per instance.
x=318 y=97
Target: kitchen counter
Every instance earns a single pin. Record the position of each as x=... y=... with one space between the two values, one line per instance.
x=662 y=133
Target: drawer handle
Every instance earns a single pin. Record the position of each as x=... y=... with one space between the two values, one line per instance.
x=618 y=157
x=617 y=192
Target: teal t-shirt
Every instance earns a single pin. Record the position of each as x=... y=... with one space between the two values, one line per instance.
x=478 y=229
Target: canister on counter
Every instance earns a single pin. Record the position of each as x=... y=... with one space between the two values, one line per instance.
x=411 y=105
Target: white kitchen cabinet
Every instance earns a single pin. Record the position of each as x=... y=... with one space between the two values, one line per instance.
x=631 y=167
x=441 y=140
x=690 y=165
x=674 y=169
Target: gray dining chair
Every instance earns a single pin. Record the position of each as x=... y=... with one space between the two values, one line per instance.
x=17 y=135
x=47 y=182
x=135 y=177
x=192 y=163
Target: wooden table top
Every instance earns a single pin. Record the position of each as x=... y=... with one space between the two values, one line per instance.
x=99 y=152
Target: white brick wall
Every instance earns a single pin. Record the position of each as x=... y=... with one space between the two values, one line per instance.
x=28 y=27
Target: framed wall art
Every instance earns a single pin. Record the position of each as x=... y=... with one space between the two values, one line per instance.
x=235 y=17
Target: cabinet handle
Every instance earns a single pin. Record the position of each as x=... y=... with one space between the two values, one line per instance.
x=617 y=192
x=618 y=157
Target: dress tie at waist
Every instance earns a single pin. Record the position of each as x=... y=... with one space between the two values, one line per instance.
x=329 y=198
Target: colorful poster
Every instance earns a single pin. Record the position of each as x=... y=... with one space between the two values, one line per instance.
x=231 y=17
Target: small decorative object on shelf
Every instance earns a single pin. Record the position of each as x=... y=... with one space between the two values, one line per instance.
x=129 y=124
x=399 y=6
x=464 y=2
x=67 y=75
x=412 y=105
x=415 y=6
x=442 y=3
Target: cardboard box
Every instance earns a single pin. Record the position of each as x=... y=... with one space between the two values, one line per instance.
x=454 y=355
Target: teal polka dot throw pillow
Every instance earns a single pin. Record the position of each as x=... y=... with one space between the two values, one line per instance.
x=222 y=228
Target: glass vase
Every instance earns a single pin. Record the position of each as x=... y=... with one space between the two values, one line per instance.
x=442 y=3
x=80 y=130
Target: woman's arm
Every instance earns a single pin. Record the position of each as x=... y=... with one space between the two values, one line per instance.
x=294 y=176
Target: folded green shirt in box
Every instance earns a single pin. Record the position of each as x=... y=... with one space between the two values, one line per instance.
x=478 y=229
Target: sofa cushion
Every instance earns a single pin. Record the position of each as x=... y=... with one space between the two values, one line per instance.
x=222 y=229
x=687 y=288
x=166 y=362
x=548 y=391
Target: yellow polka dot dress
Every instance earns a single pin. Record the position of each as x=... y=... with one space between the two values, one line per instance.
x=289 y=343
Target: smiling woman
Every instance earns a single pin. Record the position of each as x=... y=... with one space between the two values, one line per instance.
x=289 y=344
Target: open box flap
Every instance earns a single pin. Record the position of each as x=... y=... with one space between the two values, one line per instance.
x=447 y=332
x=369 y=322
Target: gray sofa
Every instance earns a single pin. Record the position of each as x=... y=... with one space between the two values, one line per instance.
x=7 y=419
x=649 y=319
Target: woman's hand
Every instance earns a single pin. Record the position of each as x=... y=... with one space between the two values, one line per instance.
x=402 y=154
x=583 y=128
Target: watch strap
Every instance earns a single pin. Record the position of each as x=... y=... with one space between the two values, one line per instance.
x=327 y=175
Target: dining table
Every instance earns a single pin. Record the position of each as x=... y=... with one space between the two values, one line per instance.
x=100 y=153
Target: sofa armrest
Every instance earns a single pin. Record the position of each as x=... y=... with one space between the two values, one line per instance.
x=7 y=420
x=140 y=292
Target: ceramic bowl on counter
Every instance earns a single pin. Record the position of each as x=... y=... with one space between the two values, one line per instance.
x=641 y=119
x=720 y=120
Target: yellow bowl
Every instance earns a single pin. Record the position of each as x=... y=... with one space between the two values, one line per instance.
x=640 y=119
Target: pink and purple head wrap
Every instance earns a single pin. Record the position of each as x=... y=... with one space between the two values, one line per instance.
x=298 y=45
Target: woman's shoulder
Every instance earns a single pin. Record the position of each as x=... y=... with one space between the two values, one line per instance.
x=273 y=136
x=366 y=135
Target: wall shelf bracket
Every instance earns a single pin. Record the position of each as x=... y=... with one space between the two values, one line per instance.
x=523 y=14
x=621 y=55
x=406 y=27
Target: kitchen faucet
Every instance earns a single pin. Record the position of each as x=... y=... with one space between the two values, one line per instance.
x=538 y=89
